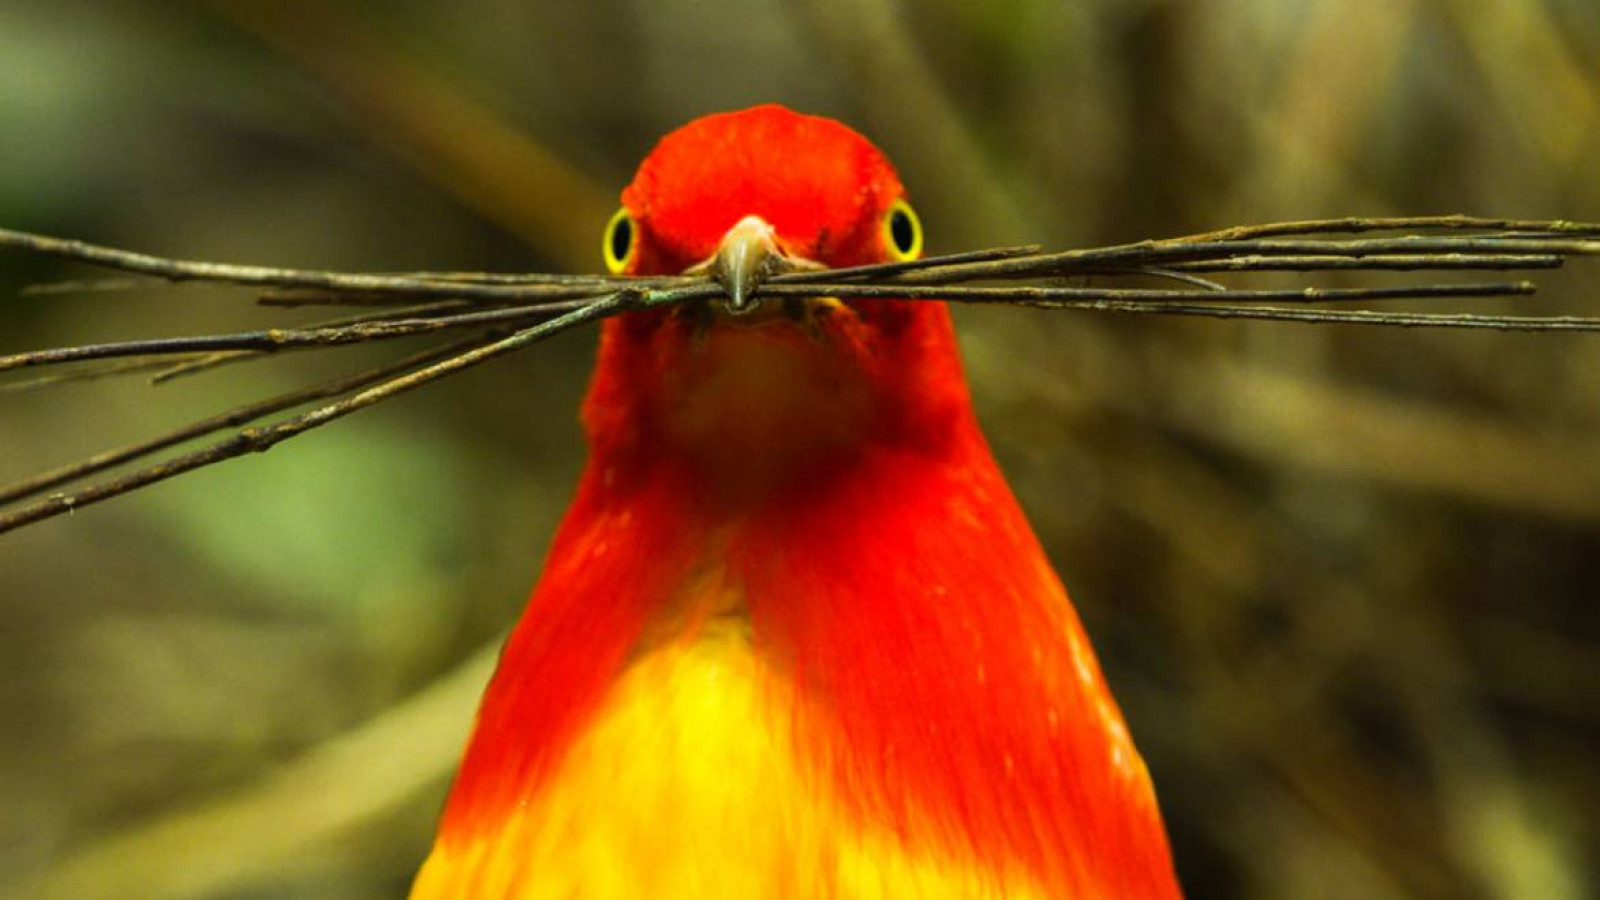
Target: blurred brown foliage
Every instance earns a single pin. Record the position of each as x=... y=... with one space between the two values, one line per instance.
x=1343 y=580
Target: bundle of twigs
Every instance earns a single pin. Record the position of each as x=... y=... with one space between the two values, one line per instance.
x=502 y=313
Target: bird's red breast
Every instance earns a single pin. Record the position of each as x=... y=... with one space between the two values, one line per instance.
x=794 y=636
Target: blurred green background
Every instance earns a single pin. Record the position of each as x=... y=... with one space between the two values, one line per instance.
x=1342 y=580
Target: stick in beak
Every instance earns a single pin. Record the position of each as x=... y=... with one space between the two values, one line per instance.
x=748 y=254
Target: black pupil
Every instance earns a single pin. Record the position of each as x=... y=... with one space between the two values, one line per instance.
x=621 y=238
x=902 y=231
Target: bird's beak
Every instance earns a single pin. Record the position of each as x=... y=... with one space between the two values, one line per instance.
x=748 y=255
x=744 y=259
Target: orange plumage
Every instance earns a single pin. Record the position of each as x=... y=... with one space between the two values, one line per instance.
x=795 y=636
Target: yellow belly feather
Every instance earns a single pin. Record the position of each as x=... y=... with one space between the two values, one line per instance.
x=686 y=785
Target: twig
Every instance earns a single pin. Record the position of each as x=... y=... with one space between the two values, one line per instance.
x=1178 y=250
x=89 y=286
x=203 y=363
x=100 y=462
x=178 y=270
x=534 y=278
x=1167 y=302
x=1167 y=274
x=1074 y=297
x=297 y=299
x=1364 y=224
x=272 y=339
x=1397 y=262
x=217 y=359
x=1348 y=317
x=882 y=270
x=87 y=373
x=259 y=440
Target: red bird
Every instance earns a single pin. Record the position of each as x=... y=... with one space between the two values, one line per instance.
x=795 y=637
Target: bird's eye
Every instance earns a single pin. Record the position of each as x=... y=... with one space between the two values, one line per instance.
x=902 y=231
x=619 y=242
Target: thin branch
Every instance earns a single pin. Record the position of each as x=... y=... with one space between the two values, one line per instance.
x=217 y=359
x=109 y=459
x=271 y=339
x=259 y=440
x=1397 y=263
x=1166 y=274
x=89 y=286
x=176 y=270
x=567 y=284
x=603 y=282
x=298 y=299
x=89 y=373
x=1363 y=224
x=1168 y=302
x=1027 y=295
x=884 y=270
x=1178 y=250
x=1342 y=316
x=204 y=362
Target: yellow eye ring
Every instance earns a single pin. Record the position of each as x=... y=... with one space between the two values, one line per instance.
x=902 y=232
x=620 y=243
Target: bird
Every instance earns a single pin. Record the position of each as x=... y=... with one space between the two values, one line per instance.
x=794 y=636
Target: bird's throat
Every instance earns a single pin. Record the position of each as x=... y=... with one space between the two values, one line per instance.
x=756 y=410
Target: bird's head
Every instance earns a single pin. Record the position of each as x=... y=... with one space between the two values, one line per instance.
x=742 y=195
x=755 y=388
